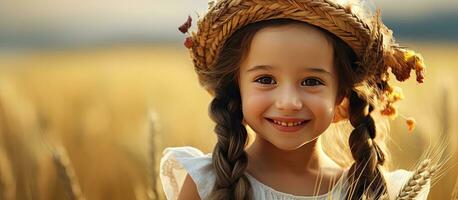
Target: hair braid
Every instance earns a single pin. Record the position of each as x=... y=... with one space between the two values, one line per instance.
x=366 y=177
x=230 y=159
x=229 y=156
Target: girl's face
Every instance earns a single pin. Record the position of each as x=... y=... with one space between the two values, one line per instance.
x=288 y=85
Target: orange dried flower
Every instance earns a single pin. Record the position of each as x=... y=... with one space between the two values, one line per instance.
x=408 y=54
x=188 y=42
x=420 y=69
x=417 y=60
x=410 y=124
x=399 y=64
x=420 y=75
x=396 y=94
x=389 y=88
x=390 y=111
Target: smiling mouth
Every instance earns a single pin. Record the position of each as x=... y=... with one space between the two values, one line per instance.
x=287 y=124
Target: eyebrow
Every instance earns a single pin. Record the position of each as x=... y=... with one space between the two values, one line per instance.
x=267 y=67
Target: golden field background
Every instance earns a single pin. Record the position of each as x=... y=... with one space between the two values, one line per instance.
x=97 y=103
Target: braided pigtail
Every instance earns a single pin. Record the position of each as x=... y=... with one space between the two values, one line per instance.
x=229 y=157
x=366 y=179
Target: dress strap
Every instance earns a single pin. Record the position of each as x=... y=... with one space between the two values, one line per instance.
x=177 y=162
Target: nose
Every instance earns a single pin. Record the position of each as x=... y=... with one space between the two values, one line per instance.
x=289 y=99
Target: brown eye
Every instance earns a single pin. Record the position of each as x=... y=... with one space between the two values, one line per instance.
x=265 y=80
x=311 y=82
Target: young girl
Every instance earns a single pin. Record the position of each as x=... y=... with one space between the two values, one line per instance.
x=288 y=70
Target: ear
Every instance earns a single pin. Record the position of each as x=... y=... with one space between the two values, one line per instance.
x=341 y=111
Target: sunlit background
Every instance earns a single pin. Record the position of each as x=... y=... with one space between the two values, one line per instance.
x=96 y=89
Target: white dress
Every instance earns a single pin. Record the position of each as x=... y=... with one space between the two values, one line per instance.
x=176 y=162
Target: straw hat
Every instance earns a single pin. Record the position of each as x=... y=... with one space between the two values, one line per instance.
x=364 y=32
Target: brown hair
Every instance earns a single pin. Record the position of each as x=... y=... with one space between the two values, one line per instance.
x=229 y=157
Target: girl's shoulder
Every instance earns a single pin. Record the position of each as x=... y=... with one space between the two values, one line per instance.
x=396 y=180
x=177 y=162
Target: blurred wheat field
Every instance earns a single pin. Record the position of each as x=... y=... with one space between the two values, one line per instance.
x=96 y=103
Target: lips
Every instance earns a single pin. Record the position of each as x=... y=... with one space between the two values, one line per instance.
x=288 y=124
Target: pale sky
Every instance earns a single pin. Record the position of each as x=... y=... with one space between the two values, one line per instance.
x=96 y=18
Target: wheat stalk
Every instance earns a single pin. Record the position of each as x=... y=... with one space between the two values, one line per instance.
x=152 y=193
x=417 y=181
x=67 y=174
x=7 y=181
x=455 y=191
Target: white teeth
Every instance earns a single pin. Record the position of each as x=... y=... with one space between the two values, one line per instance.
x=287 y=124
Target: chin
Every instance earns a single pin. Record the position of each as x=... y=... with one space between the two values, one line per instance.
x=288 y=147
x=292 y=145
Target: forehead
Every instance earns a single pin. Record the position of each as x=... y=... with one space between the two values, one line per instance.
x=286 y=46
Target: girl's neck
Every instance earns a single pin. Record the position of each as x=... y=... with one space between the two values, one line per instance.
x=308 y=159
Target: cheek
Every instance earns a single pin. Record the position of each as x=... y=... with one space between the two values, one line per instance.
x=254 y=103
x=322 y=106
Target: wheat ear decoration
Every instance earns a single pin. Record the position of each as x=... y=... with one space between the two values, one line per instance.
x=421 y=176
x=225 y=17
x=67 y=174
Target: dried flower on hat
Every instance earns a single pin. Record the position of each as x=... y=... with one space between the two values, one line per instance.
x=188 y=43
x=395 y=94
x=186 y=25
x=410 y=124
x=390 y=110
